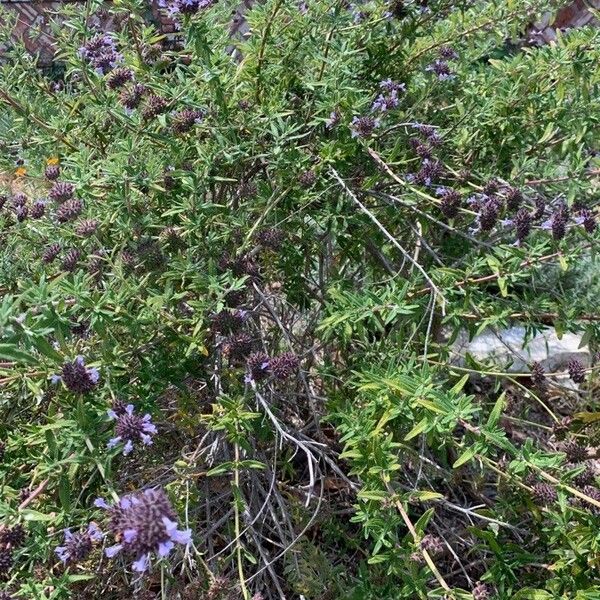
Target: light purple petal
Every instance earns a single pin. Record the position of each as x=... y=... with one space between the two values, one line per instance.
x=129 y=409
x=79 y=360
x=101 y=503
x=165 y=547
x=112 y=414
x=68 y=535
x=113 y=442
x=113 y=550
x=146 y=439
x=94 y=374
x=62 y=553
x=181 y=536
x=129 y=535
x=94 y=532
x=55 y=379
x=128 y=448
x=149 y=428
x=125 y=503
x=141 y=564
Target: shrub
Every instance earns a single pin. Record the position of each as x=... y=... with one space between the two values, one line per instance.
x=232 y=270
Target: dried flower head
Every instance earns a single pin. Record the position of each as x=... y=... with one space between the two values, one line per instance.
x=78 y=546
x=544 y=493
x=71 y=259
x=154 y=106
x=284 y=366
x=61 y=191
x=514 y=198
x=429 y=173
x=522 y=224
x=481 y=592
x=574 y=451
x=441 y=69
x=77 y=377
x=561 y=429
x=38 y=209
x=185 y=119
x=6 y=562
x=576 y=371
x=131 y=428
x=450 y=202
x=558 y=222
x=238 y=346
x=538 y=375
x=51 y=252
x=307 y=179
x=119 y=77
x=257 y=366
x=270 y=238
x=144 y=523
x=86 y=227
x=131 y=97
x=586 y=477
x=488 y=213
x=432 y=544
x=52 y=172
x=12 y=536
x=228 y=321
x=69 y=210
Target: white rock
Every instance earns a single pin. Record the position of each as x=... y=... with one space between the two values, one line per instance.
x=509 y=350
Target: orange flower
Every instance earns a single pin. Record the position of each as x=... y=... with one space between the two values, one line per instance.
x=53 y=160
x=21 y=172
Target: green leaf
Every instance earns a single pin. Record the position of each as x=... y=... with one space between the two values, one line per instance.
x=420 y=427
x=10 y=352
x=465 y=457
x=496 y=411
x=34 y=515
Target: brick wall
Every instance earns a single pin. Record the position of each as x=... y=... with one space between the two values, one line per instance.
x=33 y=17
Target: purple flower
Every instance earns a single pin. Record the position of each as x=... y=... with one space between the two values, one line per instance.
x=144 y=523
x=389 y=99
x=101 y=53
x=441 y=68
x=131 y=428
x=284 y=366
x=77 y=546
x=185 y=119
x=61 y=191
x=333 y=120
x=257 y=365
x=448 y=53
x=77 y=377
x=450 y=202
x=363 y=126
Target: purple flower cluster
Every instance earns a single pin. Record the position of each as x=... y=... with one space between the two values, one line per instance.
x=440 y=67
x=119 y=77
x=185 y=119
x=77 y=546
x=144 y=523
x=259 y=366
x=77 y=377
x=178 y=8
x=130 y=428
x=450 y=202
x=101 y=53
x=61 y=191
x=388 y=99
x=431 y=170
x=363 y=126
